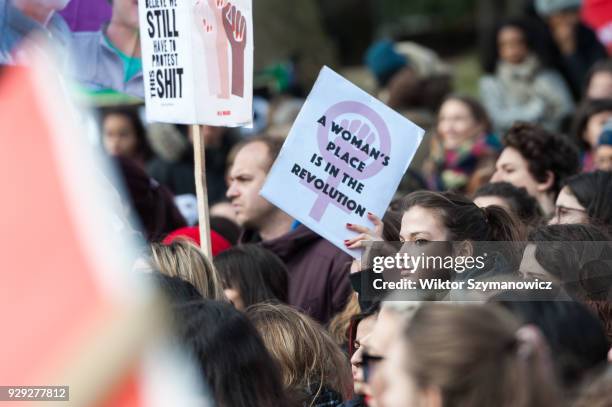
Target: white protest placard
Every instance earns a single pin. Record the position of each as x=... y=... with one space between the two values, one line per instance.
x=197 y=60
x=344 y=157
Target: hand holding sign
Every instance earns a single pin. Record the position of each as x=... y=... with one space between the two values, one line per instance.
x=365 y=233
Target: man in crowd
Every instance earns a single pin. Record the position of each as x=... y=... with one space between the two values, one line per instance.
x=109 y=60
x=318 y=271
x=576 y=45
x=20 y=18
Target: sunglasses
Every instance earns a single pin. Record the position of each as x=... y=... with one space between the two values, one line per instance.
x=369 y=363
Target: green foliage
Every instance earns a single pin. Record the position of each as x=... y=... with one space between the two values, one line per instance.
x=434 y=13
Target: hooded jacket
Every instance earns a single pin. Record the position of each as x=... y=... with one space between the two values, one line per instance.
x=318 y=271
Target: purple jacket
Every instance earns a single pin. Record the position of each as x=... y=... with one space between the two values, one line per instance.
x=318 y=271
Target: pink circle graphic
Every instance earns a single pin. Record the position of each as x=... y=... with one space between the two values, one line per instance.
x=369 y=129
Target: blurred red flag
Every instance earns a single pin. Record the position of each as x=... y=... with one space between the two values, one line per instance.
x=50 y=299
x=46 y=291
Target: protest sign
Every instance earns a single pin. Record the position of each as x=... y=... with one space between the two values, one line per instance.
x=344 y=157
x=197 y=58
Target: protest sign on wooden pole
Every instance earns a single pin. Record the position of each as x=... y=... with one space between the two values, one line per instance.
x=199 y=151
x=197 y=59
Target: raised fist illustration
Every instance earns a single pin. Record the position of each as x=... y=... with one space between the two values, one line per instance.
x=235 y=26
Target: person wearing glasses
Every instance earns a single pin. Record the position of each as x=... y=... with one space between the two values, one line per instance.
x=360 y=329
x=586 y=198
x=375 y=355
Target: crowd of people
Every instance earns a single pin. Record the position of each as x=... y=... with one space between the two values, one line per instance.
x=279 y=316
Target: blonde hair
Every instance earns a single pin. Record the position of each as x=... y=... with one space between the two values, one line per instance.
x=183 y=259
x=308 y=357
x=471 y=353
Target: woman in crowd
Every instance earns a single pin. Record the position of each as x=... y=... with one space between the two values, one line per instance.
x=564 y=254
x=599 y=81
x=463 y=150
x=124 y=135
x=234 y=362
x=538 y=161
x=183 y=259
x=586 y=198
x=362 y=326
x=518 y=84
x=443 y=216
x=470 y=355
x=252 y=274
x=513 y=199
x=154 y=213
x=576 y=258
x=443 y=225
x=313 y=368
x=587 y=128
x=576 y=338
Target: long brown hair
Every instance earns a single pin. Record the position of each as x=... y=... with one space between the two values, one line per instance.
x=306 y=354
x=471 y=353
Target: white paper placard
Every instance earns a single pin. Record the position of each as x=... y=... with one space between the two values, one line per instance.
x=197 y=59
x=344 y=157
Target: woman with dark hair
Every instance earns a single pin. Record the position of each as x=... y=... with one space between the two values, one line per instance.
x=440 y=225
x=441 y=217
x=578 y=258
x=538 y=161
x=252 y=274
x=575 y=336
x=515 y=200
x=599 y=81
x=233 y=360
x=155 y=214
x=588 y=125
x=586 y=198
x=463 y=150
x=518 y=84
x=431 y=216
x=360 y=331
x=124 y=135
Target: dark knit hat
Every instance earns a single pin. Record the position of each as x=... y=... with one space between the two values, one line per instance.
x=384 y=61
x=546 y=8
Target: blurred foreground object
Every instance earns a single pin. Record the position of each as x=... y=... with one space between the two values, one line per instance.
x=75 y=315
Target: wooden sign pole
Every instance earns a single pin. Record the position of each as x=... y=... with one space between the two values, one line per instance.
x=199 y=150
